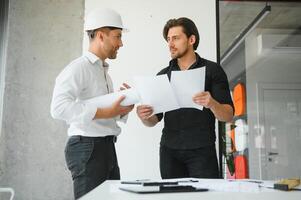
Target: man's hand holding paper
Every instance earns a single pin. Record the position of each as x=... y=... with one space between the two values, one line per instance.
x=156 y=92
x=144 y=112
x=131 y=98
x=204 y=99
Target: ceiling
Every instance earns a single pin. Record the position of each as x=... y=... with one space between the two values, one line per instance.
x=236 y=16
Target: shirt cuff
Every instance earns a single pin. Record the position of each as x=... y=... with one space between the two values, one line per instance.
x=123 y=118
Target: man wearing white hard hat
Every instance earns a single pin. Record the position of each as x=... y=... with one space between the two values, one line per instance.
x=90 y=151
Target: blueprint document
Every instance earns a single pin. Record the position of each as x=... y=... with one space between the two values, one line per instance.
x=131 y=97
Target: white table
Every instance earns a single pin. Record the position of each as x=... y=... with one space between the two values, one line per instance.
x=109 y=191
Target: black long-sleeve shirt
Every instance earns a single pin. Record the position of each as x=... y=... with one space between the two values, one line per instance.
x=190 y=128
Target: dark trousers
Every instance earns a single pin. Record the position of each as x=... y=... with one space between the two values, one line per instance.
x=91 y=161
x=195 y=163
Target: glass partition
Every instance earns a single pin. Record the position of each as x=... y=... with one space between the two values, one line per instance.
x=260 y=48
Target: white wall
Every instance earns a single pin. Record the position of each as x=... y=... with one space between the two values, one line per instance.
x=145 y=52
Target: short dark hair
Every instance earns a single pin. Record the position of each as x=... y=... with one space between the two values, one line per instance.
x=91 y=33
x=189 y=28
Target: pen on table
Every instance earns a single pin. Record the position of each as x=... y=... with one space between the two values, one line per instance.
x=250 y=181
x=185 y=181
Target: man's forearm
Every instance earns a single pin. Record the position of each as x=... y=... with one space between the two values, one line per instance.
x=222 y=112
x=103 y=113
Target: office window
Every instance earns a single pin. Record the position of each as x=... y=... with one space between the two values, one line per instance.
x=260 y=48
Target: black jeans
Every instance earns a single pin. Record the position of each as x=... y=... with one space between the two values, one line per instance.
x=195 y=163
x=91 y=160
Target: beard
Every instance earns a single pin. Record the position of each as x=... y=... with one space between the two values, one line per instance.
x=179 y=54
x=112 y=54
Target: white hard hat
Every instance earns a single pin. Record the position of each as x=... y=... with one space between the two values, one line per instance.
x=103 y=18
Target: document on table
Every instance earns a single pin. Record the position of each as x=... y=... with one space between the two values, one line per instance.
x=186 y=84
x=156 y=91
x=131 y=97
x=218 y=185
x=221 y=185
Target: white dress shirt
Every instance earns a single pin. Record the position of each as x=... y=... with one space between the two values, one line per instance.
x=84 y=78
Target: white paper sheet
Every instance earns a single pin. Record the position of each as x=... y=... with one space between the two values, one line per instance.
x=221 y=185
x=131 y=97
x=156 y=91
x=186 y=84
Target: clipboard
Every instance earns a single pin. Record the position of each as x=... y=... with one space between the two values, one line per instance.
x=140 y=189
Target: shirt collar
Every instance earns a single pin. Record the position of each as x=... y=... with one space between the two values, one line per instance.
x=93 y=59
x=174 y=62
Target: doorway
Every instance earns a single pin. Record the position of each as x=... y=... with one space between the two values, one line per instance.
x=280 y=107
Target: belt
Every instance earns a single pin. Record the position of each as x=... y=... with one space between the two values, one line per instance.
x=109 y=138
